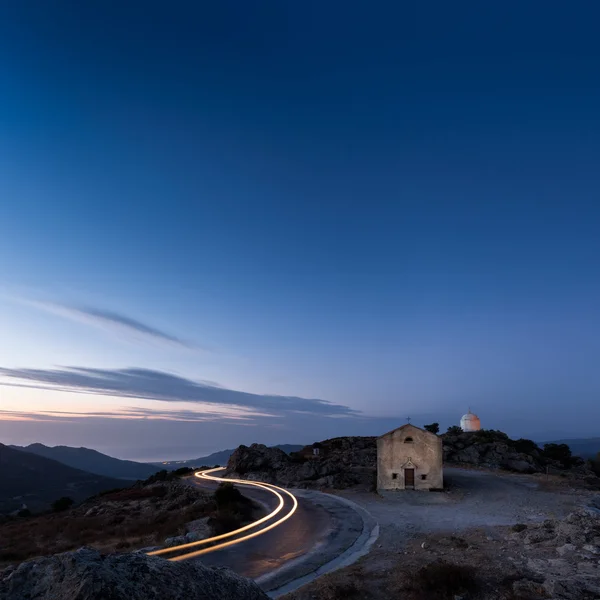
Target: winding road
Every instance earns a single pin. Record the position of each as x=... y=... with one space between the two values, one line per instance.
x=291 y=528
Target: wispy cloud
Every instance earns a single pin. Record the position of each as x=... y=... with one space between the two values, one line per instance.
x=135 y=413
x=107 y=320
x=149 y=384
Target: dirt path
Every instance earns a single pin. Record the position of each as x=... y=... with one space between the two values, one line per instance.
x=473 y=499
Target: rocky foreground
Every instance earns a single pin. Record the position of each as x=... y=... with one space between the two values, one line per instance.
x=351 y=462
x=557 y=558
x=88 y=575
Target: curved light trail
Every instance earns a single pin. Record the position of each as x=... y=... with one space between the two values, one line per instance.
x=265 y=486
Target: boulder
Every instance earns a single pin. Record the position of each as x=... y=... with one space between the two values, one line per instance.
x=175 y=541
x=87 y=575
x=257 y=458
x=199 y=529
x=518 y=465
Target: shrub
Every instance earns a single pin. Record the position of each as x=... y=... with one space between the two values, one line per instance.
x=432 y=428
x=61 y=504
x=455 y=429
x=519 y=527
x=224 y=521
x=233 y=509
x=227 y=494
x=560 y=453
x=489 y=436
x=181 y=472
x=525 y=446
x=164 y=475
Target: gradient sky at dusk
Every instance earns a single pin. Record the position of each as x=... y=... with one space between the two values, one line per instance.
x=270 y=221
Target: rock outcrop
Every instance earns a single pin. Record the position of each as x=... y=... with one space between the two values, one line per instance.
x=257 y=458
x=341 y=463
x=495 y=450
x=351 y=462
x=492 y=450
x=87 y=575
x=562 y=556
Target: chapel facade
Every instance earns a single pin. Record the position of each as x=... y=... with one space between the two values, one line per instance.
x=409 y=458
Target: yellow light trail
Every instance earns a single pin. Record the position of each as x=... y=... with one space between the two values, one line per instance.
x=216 y=538
x=265 y=486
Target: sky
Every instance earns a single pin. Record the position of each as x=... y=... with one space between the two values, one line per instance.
x=278 y=222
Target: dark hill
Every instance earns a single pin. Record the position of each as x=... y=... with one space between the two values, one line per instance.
x=92 y=461
x=37 y=481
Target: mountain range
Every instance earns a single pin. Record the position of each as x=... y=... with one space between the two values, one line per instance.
x=92 y=461
x=37 y=475
x=37 y=481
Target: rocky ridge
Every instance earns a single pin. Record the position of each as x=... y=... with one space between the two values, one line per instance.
x=494 y=450
x=343 y=462
x=351 y=462
x=88 y=575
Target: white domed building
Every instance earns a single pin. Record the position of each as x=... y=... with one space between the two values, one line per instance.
x=470 y=422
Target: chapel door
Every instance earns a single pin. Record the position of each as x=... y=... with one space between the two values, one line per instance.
x=409 y=478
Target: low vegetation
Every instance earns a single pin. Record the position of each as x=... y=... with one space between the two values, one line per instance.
x=125 y=519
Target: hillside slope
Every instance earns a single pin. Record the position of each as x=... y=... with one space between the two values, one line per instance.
x=92 y=461
x=37 y=481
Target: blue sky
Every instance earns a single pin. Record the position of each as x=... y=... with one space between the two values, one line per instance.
x=372 y=212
